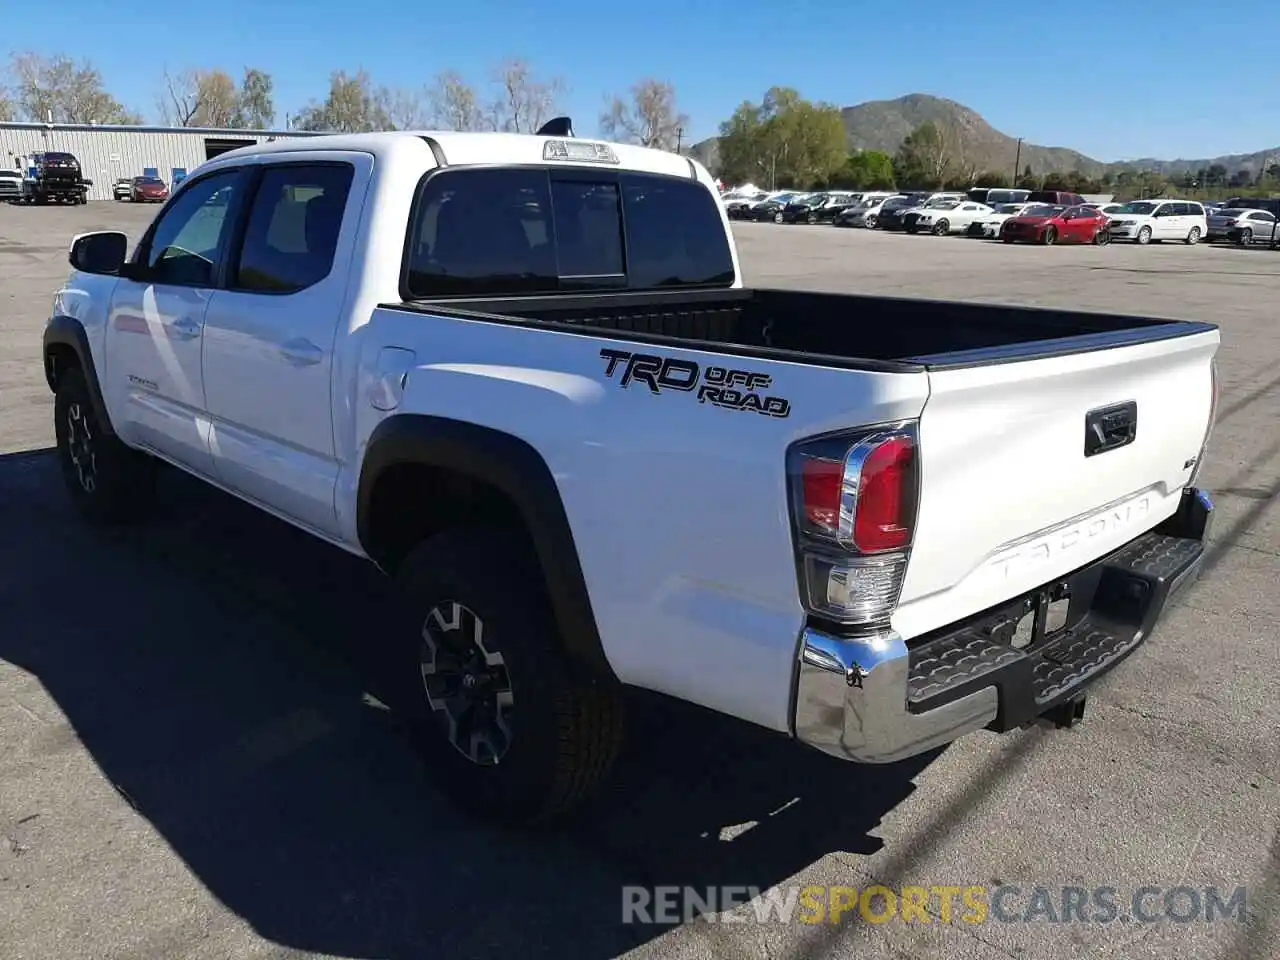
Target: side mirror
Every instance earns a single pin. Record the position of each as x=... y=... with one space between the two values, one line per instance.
x=103 y=252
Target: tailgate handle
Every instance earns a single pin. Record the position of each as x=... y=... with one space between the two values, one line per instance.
x=1110 y=427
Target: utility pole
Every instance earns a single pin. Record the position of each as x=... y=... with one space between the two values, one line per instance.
x=679 y=138
x=1017 y=164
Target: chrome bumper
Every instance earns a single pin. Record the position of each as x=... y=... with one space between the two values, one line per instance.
x=852 y=701
x=856 y=697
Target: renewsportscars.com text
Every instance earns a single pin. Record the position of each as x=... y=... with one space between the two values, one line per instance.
x=934 y=904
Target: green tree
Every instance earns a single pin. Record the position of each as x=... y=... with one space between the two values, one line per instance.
x=781 y=141
x=866 y=170
x=740 y=154
x=1028 y=180
x=989 y=179
x=256 y=106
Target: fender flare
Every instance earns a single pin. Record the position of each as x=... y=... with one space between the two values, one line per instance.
x=68 y=332
x=517 y=470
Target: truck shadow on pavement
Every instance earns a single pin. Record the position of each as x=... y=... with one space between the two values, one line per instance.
x=218 y=665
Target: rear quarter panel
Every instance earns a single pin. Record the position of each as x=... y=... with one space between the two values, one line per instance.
x=678 y=508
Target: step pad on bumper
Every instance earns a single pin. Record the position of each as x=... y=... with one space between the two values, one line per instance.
x=1113 y=604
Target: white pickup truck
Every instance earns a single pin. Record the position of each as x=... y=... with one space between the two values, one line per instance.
x=522 y=375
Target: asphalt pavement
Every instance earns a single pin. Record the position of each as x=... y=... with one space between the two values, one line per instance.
x=194 y=762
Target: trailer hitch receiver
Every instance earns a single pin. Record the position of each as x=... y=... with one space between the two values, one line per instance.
x=1065 y=715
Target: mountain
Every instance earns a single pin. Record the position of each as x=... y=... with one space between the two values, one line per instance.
x=1253 y=162
x=883 y=124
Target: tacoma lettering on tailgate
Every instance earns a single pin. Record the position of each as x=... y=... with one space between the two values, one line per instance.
x=720 y=386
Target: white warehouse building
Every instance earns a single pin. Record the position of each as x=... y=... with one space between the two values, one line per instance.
x=111 y=153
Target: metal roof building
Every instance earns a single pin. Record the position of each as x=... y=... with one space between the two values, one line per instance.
x=108 y=153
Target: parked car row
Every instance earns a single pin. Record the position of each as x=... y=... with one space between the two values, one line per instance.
x=1016 y=215
x=141 y=190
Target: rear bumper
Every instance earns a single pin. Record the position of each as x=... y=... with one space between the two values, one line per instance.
x=878 y=699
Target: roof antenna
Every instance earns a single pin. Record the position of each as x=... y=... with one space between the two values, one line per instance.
x=556 y=127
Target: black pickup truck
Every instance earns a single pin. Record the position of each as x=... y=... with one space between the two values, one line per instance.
x=57 y=177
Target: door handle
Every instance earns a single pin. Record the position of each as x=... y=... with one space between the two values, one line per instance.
x=186 y=328
x=1110 y=427
x=301 y=353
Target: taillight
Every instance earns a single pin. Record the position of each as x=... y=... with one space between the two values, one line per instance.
x=854 y=507
x=885 y=510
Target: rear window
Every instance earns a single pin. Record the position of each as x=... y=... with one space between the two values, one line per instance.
x=1006 y=196
x=504 y=231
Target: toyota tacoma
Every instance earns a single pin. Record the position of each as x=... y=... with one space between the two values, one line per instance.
x=522 y=375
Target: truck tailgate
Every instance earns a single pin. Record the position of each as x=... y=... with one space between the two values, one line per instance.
x=1013 y=495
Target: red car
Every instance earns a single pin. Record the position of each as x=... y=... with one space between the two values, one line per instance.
x=148 y=189
x=1053 y=224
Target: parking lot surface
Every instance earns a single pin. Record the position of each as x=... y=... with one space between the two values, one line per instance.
x=194 y=764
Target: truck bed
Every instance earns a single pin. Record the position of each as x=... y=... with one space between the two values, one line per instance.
x=830 y=329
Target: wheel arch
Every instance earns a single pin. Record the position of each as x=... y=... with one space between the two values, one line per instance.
x=66 y=345
x=473 y=471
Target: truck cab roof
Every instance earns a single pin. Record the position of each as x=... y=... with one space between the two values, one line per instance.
x=453 y=148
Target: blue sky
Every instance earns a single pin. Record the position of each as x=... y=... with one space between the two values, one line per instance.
x=1117 y=80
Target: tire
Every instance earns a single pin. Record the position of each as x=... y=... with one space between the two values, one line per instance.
x=565 y=726
x=1004 y=239
x=1049 y=237
x=1101 y=237
x=109 y=483
x=941 y=228
x=869 y=222
x=811 y=219
x=1193 y=237
x=1246 y=237
x=1144 y=236
x=777 y=218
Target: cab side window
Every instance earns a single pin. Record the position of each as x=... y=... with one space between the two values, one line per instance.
x=186 y=245
x=292 y=233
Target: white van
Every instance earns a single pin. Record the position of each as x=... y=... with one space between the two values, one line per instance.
x=1145 y=220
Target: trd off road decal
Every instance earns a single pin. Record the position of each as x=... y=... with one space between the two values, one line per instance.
x=721 y=386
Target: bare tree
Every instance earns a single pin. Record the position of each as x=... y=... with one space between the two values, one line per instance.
x=406 y=109
x=452 y=104
x=927 y=153
x=649 y=117
x=59 y=90
x=353 y=105
x=219 y=101
x=524 y=102
x=200 y=98
x=180 y=101
x=965 y=166
x=210 y=98
x=7 y=109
